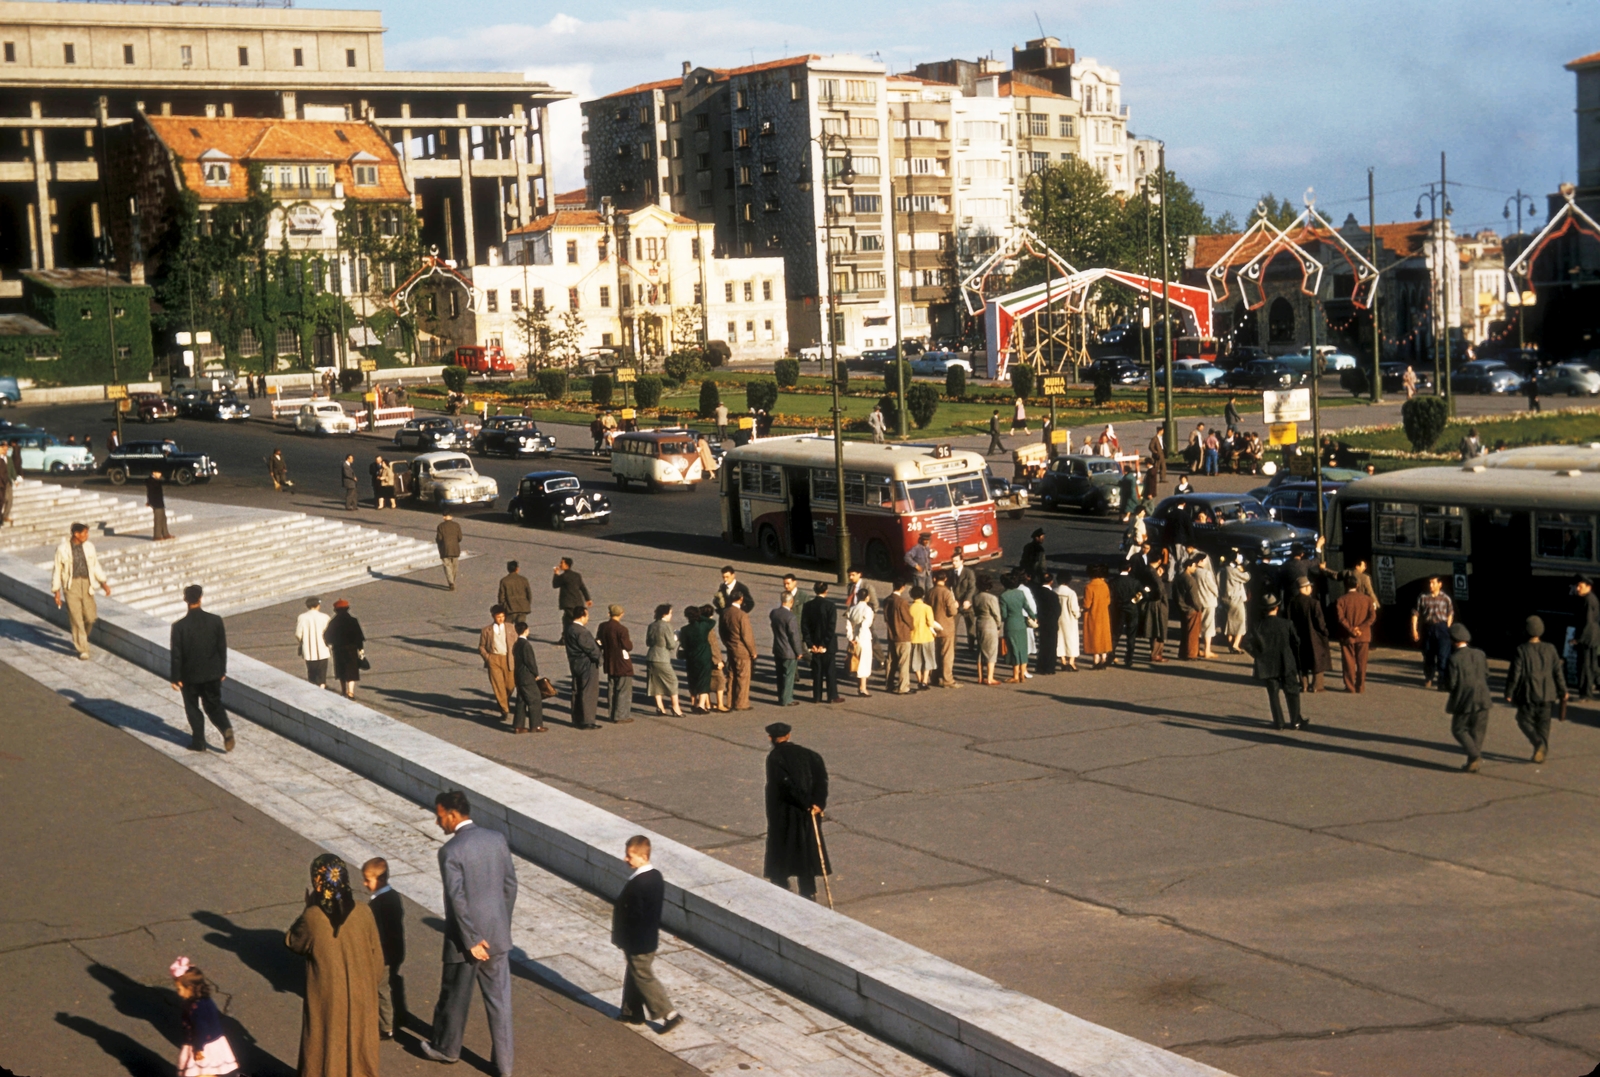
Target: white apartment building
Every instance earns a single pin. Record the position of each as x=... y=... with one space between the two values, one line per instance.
x=1104 y=143
x=986 y=199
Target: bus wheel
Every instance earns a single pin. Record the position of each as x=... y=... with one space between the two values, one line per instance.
x=767 y=543
x=622 y=482
x=878 y=560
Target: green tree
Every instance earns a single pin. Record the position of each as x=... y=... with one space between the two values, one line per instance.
x=922 y=400
x=761 y=395
x=709 y=399
x=1424 y=419
x=566 y=343
x=600 y=389
x=787 y=373
x=1070 y=207
x=1281 y=213
x=647 y=390
x=533 y=328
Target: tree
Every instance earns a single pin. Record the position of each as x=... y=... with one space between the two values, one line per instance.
x=922 y=400
x=566 y=343
x=1424 y=419
x=709 y=399
x=787 y=373
x=533 y=328
x=761 y=395
x=688 y=330
x=1070 y=207
x=1279 y=213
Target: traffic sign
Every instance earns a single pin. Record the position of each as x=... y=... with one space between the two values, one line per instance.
x=1055 y=385
x=626 y=375
x=1293 y=406
x=1282 y=434
x=1061 y=437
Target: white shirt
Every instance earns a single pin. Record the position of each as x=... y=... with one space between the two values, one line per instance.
x=640 y=871
x=498 y=639
x=308 y=629
x=460 y=827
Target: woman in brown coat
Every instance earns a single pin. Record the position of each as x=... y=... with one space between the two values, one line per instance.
x=344 y=961
x=1097 y=639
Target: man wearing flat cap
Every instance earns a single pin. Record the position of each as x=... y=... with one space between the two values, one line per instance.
x=1538 y=678
x=1466 y=678
x=1588 y=640
x=1273 y=643
x=797 y=793
x=616 y=646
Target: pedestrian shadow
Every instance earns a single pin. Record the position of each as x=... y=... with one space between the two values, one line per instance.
x=133 y=1056
x=464 y=706
x=116 y=713
x=259 y=949
x=431 y=644
x=35 y=636
x=392 y=577
x=526 y=968
x=674 y=541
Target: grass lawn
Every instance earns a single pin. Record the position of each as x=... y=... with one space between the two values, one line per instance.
x=1568 y=426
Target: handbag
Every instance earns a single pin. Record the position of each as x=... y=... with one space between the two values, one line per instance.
x=363 y=664
x=546 y=687
x=855 y=656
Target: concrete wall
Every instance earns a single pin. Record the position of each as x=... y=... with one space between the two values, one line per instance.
x=904 y=995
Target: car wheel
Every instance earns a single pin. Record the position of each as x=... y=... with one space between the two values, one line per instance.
x=1049 y=502
x=767 y=542
x=184 y=476
x=557 y=523
x=117 y=475
x=58 y=468
x=877 y=559
x=518 y=513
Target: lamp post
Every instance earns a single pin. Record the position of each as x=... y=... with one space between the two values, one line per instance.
x=1505 y=211
x=1147 y=340
x=1438 y=209
x=1169 y=432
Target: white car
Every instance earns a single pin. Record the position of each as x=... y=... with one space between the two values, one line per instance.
x=1340 y=361
x=448 y=479
x=939 y=363
x=1574 y=379
x=325 y=417
x=818 y=352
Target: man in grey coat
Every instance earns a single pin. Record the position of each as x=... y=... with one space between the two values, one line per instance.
x=786 y=648
x=1466 y=678
x=447 y=536
x=347 y=479
x=1538 y=678
x=583 y=660
x=480 y=889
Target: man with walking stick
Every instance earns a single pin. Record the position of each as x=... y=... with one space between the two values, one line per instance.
x=797 y=793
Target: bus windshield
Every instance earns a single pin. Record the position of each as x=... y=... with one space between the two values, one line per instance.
x=928 y=495
x=674 y=448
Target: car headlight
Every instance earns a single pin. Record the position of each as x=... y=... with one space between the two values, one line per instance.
x=988 y=529
x=568 y=501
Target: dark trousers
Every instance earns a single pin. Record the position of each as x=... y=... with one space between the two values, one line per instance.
x=1587 y=681
x=1355 y=664
x=806 y=884
x=317 y=671
x=1534 y=721
x=995 y=445
x=1469 y=729
x=159 y=528
x=530 y=708
x=1435 y=652
x=585 y=698
x=391 y=1001
x=350 y=498
x=209 y=696
x=455 y=1000
x=824 y=683
x=1290 y=687
x=642 y=994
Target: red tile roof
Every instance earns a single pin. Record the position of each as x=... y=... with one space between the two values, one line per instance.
x=1402 y=240
x=1019 y=89
x=578 y=199
x=645 y=87
x=771 y=65
x=563 y=218
x=264 y=141
x=1584 y=61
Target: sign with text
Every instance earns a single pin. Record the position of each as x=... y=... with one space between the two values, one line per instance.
x=1061 y=437
x=626 y=375
x=1292 y=406
x=1282 y=434
x=116 y=392
x=369 y=365
x=1055 y=385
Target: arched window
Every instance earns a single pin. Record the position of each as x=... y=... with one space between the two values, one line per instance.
x=1280 y=321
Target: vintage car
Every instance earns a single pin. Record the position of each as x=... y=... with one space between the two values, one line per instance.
x=1222 y=524
x=323 y=417
x=1011 y=498
x=151 y=408
x=513 y=436
x=939 y=363
x=136 y=459
x=10 y=391
x=221 y=406
x=42 y=452
x=1089 y=483
x=447 y=480
x=556 y=499
x=432 y=433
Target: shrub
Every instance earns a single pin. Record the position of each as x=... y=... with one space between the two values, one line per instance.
x=1022 y=380
x=679 y=367
x=455 y=378
x=891 y=412
x=350 y=380
x=552 y=383
x=955 y=382
x=922 y=400
x=844 y=378
x=761 y=395
x=787 y=373
x=600 y=389
x=891 y=382
x=647 y=391
x=1354 y=381
x=1424 y=418
x=709 y=399
x=718 y=353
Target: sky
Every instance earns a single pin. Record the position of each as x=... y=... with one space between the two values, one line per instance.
x=1249 y=95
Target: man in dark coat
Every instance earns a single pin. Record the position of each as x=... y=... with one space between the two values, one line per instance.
x=797 y=793
x=735 y=593
x=1588 y=641
x=786 y=647
x=1305 y=613
x=963 y=586
x=571 y=595
x=616 y=647
x=819 y=632
x=155 y=496
x=515 y=594
x=1191 y=608
x=583 y=659
x=995 y=444
x=1273 y=644
x=1048 y=604
x=1466 y=678
x=1127 y=609
x=347 y=479
x=636 y=931
x=1356 y=612
x=1152 y=579
x=525 y=671
x=1538 y=678
x=447 y=537
x=1033 y=556
x=199 y=646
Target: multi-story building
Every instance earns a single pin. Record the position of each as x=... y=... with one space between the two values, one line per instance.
x=473 y=146
x=986 y=199
x=787 y=159
x=1587 y=68
x=645 y=279
x=924 y=182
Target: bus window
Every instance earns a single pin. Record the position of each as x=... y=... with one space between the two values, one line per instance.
x=968 y=489
x=671 y=448
x=1441 y=527
x=1397 y=524
x=825 y=487
x=1565 y=536
x=873 y=491
x=925 y=495
x=760 y=480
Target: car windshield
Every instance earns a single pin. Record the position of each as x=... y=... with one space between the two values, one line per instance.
x=330 y=409
x=453 y=463
x=556 y=486
x=678 y=448
x=1100 y=467
x=511 y=424
x=1227 y=512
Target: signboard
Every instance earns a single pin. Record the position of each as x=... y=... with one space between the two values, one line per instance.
x=116 y=392
x=628 y=413
x=1385 y=579
x=1460 y=590
x=1061 y=437
x=124 y=404
x=1282 y=434
x=202 y=337
x=1291 y=406
x=746 y=423
x=1304 y=465
x=1055 y=385
x=371 y=398
x=941 y=452
x=369 y=365
x=626 y=375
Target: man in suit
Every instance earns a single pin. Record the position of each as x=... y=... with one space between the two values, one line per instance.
x=1355 y=613
x=494 y=647
x=1273 y=644
x=516 y=595
x=525 y=669
x=1032 y=564
x=155 y=498
x=786 y=647
x=919 y=559
x=963 y=584
x=1466 y=678
x=945 y=610
x=1158 y=456
x=583 y=660
x=796 y=794
x=859 y=590
x=480 y=889
x=1538 y=678
x=448 y=538
x=616 y=650
x=636 y=931
x=73 y=576
x=819 y=632
x=791 y=587
x=199 y=647
x=897 y=629
x=571 y=594
x=1587 y=643
x=739 y=641
x=735 y=593
x=347 y=479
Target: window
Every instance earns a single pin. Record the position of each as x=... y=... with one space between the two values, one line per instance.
x=244 y=56
x=727 y=292
x=860 y=90
x=11 y=52
x=69 y=53
x=836 y=204
x=744 y=175
x=627 y=295
x=918 y=129
x=366 y=175
x=766 y=327
x=983 y=168
x=863 y=127
x=606 y=339
x=1066 y=127
x=538 y=298
x=127 y=54
x=119 y=312
x=299 y=57
x=758 y=479
x=920 y=203
x=868 y=166
x=217 y=174
x=694 y=248
x=674 y=113
x=516 y=299
x=749 y=331
x=572 y=252
x=749 y=291
x=324 y=176
x=868 y=203
x=699 y=294
x=186 y=55
x=733 y=330
x=492 y=298
x=766 y=290
x=1564 y=536
x=702 y=122
x=389 y=222
x=645 y=114
x=869 y=241
x=743 y=136
x=1038 y=124
x=677 y=148
x=870 y=280
x=603 y=249
x=983 y=130
x=828 y=89
x=772 y=205
x=1397 y=524
x=605 y=296
x=1441 y=526
x=572 y=299
x=349 y=57
x=796 y=90
x=746 y=212
x=704 y=199
x=741 y=100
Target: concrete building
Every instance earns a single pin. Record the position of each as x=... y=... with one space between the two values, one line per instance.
x=1587 y=68
x=986 y=194
x=76 y=320
x=924 y=183
x=473 y=145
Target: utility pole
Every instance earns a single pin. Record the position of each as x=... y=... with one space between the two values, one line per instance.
x=1169 y=432
x=1147 y=337
x=1444 y=278
x=1372 y=256
x=1316 y=410
x=107 y=259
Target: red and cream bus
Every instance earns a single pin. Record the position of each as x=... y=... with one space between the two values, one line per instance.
x=655 y=458
x=780 y=496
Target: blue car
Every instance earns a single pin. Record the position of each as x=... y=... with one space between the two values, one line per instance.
x=10 y=391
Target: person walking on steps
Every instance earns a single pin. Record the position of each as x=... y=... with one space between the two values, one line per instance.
x=74 y=574
x=199 y=647
x=636 y=931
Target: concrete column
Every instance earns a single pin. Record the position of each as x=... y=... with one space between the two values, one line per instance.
x=519 y=150
x=464 y=145
x=549 y=201
x=290 y=110
x=405 y=146
x=44 y=257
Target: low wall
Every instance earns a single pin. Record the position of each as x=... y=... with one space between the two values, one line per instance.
x=894 y=990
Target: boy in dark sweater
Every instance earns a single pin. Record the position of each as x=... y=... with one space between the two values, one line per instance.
x=635 y=930
x=389 y=913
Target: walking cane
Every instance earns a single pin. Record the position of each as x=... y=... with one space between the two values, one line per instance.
x=822 y=859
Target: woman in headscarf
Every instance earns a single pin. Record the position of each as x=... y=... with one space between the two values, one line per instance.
x=1067 y=644
x=347 y=645
x=1018 y=614
x=1046 y=637
x=344 y=961
x=695 y=642
x=1097 y=639
x=986 y=612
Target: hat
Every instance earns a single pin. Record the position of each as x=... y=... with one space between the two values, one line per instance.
x=1460 y=633
x=342 y=604
x=1534 y=625
x=778 y=729
x=614 y=611
x=1269 y=602
x=1038 y=532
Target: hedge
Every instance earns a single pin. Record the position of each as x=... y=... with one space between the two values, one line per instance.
x=600 y=389
x=647 y=391
x=787 y=373
x=709 y=399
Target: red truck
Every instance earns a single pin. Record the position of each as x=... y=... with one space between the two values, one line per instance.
x=486 y=361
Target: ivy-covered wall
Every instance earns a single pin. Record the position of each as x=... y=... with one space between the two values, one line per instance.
x=78 y=352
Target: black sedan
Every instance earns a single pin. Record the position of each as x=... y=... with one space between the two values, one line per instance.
x=513 y=436
x=1485 y=376
x=1089 y=483
x=427 y=435
x=1295 y=503
x=223 y=406
x=556 y=499
x=137 y=459
x=1224 y=524
x=1124 y=371
x=1262 y=375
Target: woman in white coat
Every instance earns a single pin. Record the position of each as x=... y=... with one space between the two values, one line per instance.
x=1067 y=643
x=858 y=630
x=1205 y=577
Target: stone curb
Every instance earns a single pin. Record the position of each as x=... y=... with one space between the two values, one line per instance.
x=905 y=995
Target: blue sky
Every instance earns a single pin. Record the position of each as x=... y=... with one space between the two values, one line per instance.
x=1249 y=95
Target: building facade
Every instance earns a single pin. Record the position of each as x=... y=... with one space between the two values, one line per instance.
x=924 y=183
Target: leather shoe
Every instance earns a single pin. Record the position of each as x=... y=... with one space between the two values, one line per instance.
x=1538 y=755
x=1470 y=766
x=197 y=744
x=621 y=721
x=630 y=1018
x=429 y=1051
x=671 y=1023
x=519 y=729
x=227 y=740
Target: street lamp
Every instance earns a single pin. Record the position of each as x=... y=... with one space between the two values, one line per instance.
x=1439 y=208
x=846 y=176
x=1514 y=299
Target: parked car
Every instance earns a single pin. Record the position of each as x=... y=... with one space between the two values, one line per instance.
x=136 y=459
x=323 y=417
x=185 y=396
x=874 y=355
x=1191 y=377
x=1524 y=361
x=1124 y=370
x=513 y=436
x=939 y=363
x=1011 y=498
x=431 y=433
x=10 y=391
x=1084 y=482
x=151 y=408
x=1295 y=503
x=1271 y=374
x=818 y=352
x=224 y=406
x=1485 y=376
x=1337 y=361
x=1574 y=379
x=1394 y=377
x=1224 y=524
x=556 y=499
x=447 y=480
x=41 y=451
x=1120 y=333
x=1243 y=356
